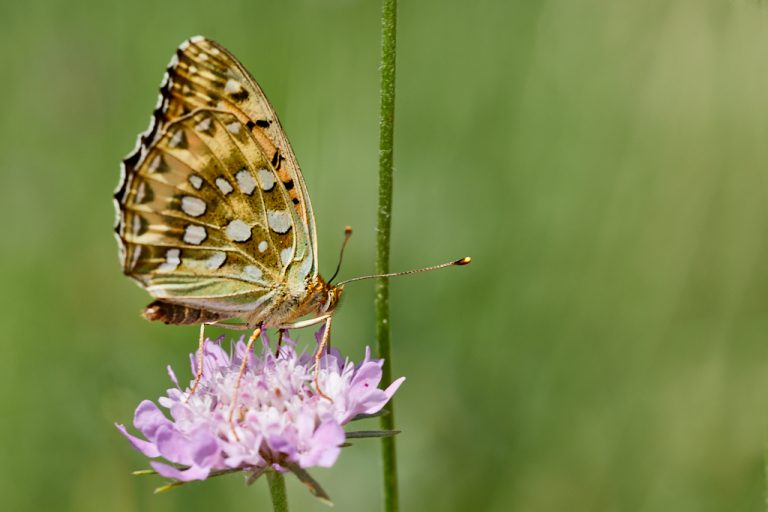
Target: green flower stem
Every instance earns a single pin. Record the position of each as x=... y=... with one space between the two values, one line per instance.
x=386 y=130
x=276 y=483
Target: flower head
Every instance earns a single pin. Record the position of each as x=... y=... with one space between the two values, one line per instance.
x=279 y=418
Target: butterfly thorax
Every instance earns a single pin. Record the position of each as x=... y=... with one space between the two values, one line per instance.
x=316 y=299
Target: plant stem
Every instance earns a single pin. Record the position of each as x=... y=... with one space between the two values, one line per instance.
x=386 y=130
x=276 y=482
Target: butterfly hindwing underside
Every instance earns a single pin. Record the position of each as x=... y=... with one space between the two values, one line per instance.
x=213 y=211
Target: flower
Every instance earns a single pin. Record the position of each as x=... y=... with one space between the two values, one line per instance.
x=279 y=419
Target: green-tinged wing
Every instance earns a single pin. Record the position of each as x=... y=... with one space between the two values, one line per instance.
x=213 y=211
x=205 y=220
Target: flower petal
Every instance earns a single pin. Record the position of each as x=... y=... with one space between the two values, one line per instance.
x=148 y=418
x=172 y=376
x=205 y=449
x=179 y=411
x=368 y=375
x=369 y=399
x=216 y=356
x=145 y=447
x=280 y=439
x=392 y=388
x=173 y=446
x=185 y=475
x=368 y=402
x=324 y=446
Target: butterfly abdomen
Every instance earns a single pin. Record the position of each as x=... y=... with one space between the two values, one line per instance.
x=177 y=314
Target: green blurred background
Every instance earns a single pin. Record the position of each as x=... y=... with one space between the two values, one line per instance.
x=604 y=162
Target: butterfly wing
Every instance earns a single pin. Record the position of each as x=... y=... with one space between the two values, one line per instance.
x=213 y=212
x=203 y=74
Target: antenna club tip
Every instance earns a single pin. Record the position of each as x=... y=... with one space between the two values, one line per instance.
x=466 y=260
x=348 y=230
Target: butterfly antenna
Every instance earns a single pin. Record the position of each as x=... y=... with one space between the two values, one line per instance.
x=347 y=236
x=463 y=261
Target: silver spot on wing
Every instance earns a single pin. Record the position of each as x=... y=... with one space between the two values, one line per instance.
x=238 y=231
x=224 y=185
x=194 y=234
x=266 y=179
x=172 y=261
x=252 y=273
x=245 y=181
x=196 y=181
x=286 y=255
x=193 y=206
x=216 y=260
x=279 y=221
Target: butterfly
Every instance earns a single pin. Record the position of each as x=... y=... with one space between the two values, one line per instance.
x=214 y=217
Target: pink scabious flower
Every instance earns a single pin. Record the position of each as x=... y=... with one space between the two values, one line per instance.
x=280 y=421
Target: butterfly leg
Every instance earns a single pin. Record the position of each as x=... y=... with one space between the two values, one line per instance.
x=231 y=326
x=280 y=333
x=319 y=354
x=305 y=323
x=243 y=365
x=199 y=371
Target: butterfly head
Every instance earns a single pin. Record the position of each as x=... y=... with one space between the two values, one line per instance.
x=332 y=297
x=324 y=297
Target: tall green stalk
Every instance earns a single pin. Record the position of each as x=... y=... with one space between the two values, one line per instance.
x=386 y=130
x=276 y=482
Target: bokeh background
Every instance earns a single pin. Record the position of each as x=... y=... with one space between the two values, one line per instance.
x=604 y=162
